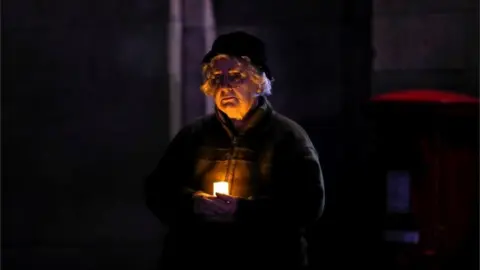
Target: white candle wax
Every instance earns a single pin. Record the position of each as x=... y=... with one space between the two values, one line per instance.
x=220 y=187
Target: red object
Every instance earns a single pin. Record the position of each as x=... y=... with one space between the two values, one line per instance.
x=433 y=134
x=425 y=95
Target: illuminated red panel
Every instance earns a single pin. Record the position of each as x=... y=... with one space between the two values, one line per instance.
x=425 y=95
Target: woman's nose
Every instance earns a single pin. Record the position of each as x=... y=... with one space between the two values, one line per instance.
x=225 y=90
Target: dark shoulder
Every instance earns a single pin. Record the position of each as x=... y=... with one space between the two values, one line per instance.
x=198 y=125
x=189 y=135
x=288 y=130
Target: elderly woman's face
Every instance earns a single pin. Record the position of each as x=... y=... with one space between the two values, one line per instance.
x=235 y=92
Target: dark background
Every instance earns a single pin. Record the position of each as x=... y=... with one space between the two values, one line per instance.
x=85 y=112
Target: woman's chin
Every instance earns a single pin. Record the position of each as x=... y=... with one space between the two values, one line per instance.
x=232 y=113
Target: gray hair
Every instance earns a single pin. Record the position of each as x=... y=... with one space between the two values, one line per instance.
x=258 y=77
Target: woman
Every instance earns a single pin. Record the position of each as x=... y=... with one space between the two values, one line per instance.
x=275 y=186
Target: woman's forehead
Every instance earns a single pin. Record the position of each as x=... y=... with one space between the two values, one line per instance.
x=225 y=63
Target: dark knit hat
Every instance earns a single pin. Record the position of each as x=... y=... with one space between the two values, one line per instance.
x=240 y=44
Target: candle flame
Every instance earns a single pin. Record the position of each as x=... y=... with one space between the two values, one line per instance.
x=220 y=187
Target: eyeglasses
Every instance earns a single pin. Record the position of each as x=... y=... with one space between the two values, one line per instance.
x=231 y=78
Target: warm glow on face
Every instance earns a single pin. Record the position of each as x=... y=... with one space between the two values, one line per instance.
x=233 y=89
x=220 y=187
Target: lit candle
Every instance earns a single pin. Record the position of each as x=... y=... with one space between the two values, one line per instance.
x=220 y=187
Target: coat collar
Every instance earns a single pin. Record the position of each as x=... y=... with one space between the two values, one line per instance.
x=255 y=118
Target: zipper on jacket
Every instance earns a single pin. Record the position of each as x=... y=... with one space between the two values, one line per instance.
x=231 y=166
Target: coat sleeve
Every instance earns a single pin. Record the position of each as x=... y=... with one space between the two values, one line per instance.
x=298 y=194
x=166 y=188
